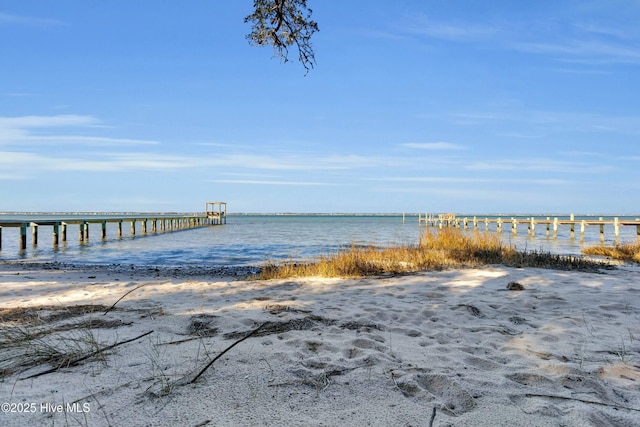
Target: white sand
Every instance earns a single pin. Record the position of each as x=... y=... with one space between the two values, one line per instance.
x=383 y=352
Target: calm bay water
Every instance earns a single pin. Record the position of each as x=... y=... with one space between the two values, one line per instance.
x=252 y=239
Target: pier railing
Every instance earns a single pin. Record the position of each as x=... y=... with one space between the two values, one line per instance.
x=152 y=223
x=551 y=225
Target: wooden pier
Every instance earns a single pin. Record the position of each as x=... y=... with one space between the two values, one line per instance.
x=551 y=225
x=149 y=223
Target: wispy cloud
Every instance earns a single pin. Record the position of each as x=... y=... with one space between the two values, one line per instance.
x=46 y=129
x=422 y=25
x=545 y=121
x=475 y=180
x=578 y=42
x=34 y=21
x=93 y=161
x=582 y=51
x=269 y=182
x=46 y=121
x=539 y=165
x=433 y=145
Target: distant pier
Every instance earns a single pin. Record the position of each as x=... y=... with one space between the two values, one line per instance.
x=549 y=224
x=215 y=214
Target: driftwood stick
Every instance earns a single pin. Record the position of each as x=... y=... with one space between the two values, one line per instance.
x=224 y=351
x=592 y=402
x=80 y=359
x=120 y=299
x=433 y=417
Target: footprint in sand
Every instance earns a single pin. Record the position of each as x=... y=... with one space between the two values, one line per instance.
x=480 y=363
x=454 y=399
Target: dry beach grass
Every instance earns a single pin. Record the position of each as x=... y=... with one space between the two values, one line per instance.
x=624 y=251
x=437 y=250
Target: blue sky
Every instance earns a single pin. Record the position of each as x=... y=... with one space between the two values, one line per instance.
x=466 y=106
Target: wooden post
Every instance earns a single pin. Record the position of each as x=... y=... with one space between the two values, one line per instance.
x=34 y=234
x=403 y=217
x=616 y=229
x=0 y=237
x=154 y=225
x=601 y=229
x=486 y=224
x=56 y=227
x=120 y=229
x=532 y=227
x=23 y=236
x=86 y=230
x=583 y=224
x=144 y=226
x=104 y=230
x=475 y=223
x=81 y=232
x=638 y=232
x=499 y=225
x=64 y=232
x=572 y=234
x=555 y=228
x=133 y=227
x=514 y=226
x=548 y=226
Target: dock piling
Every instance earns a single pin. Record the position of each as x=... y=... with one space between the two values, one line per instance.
x=23 y=236
x=54 y=237
x=34 y=234
x=601 y=231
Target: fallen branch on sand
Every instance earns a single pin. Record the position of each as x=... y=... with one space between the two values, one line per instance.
x=120 y=299
x=87 y=356
x=224 y=351
x=433 y=417
x=592 y=402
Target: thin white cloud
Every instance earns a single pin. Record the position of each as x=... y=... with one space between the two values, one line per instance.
x=269 y=182
x=585 y=43
x=583 y=51
x=433 y=145
x=554 y=120
x=42 y=130
x=473 y=180
x=88 y=161
x=46 y=121
x=34 y=21
x=422 y=25
x=80 y=140
x=540 y=165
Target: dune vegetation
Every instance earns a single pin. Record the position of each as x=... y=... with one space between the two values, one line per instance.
x=622 y=251
x=436 y=250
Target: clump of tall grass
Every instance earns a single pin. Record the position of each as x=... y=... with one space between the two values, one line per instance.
x=624 y=251
x=436 y=250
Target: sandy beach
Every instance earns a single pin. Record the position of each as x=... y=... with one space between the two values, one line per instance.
x=447 y=348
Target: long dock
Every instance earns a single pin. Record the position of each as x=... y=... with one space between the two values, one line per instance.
x=551 y=224
x=215 y=214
